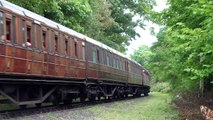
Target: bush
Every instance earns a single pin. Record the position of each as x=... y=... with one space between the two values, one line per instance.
x=161 y=87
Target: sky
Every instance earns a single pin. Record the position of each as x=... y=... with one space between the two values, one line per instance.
x=145 y=36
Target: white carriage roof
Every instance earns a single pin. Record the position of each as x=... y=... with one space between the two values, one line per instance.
x=40 y=19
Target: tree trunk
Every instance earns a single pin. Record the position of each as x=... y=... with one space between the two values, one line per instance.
x=201 y=88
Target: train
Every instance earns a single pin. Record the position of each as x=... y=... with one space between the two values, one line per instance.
x=44 y=61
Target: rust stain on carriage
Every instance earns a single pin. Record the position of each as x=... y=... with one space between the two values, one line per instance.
x=2 y=49
x=20 y=66
x=20 y=53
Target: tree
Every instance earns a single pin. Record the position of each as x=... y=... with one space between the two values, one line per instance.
x=186 y=43
x=71 y=13
x=142 y=55
x=123 y=29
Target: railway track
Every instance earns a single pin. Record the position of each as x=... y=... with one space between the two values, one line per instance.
x=7 y=114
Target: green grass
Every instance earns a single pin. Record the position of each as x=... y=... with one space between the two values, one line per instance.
x=155 y=107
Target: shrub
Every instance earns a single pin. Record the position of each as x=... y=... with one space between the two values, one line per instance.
x=161 y=87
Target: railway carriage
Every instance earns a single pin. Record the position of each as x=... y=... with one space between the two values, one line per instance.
x=43 y=61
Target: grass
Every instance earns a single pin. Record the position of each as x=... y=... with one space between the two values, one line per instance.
x=155 y=107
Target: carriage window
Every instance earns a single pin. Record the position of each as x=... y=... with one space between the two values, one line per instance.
x=114 y=64
x=8 y=29
x=110 y=60
x=39 y=37
x=83 y=52
x=29 y=34
x=98 y=56
x=107 y=60
x=94 y=56
x=56 y=43
x=33 y=35
x=14 y=29
x=104 y=58
x=124 y=66
x=23 y=30
x=76 y=49
x=66 y=47
x=1 y=24
x=121 y=65
x=117 y=64
x=44 y=39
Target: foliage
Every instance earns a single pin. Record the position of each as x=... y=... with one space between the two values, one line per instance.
x=123 y=29
x=142 y=55
x=163 y=87
x=71 y=13
x=183 y=54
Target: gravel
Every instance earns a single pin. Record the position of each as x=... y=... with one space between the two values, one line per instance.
x=80 y=113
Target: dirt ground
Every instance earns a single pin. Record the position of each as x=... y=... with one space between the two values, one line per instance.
x=188 y=106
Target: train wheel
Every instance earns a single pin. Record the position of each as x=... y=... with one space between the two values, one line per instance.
x=38 y=105
x=125 y=95
x=82 y=98
x=67 y=102
x=55 y=100
x=146 y=94
x=22 y=106
x=99 y=98
x=109 y=97
x=92 y=98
